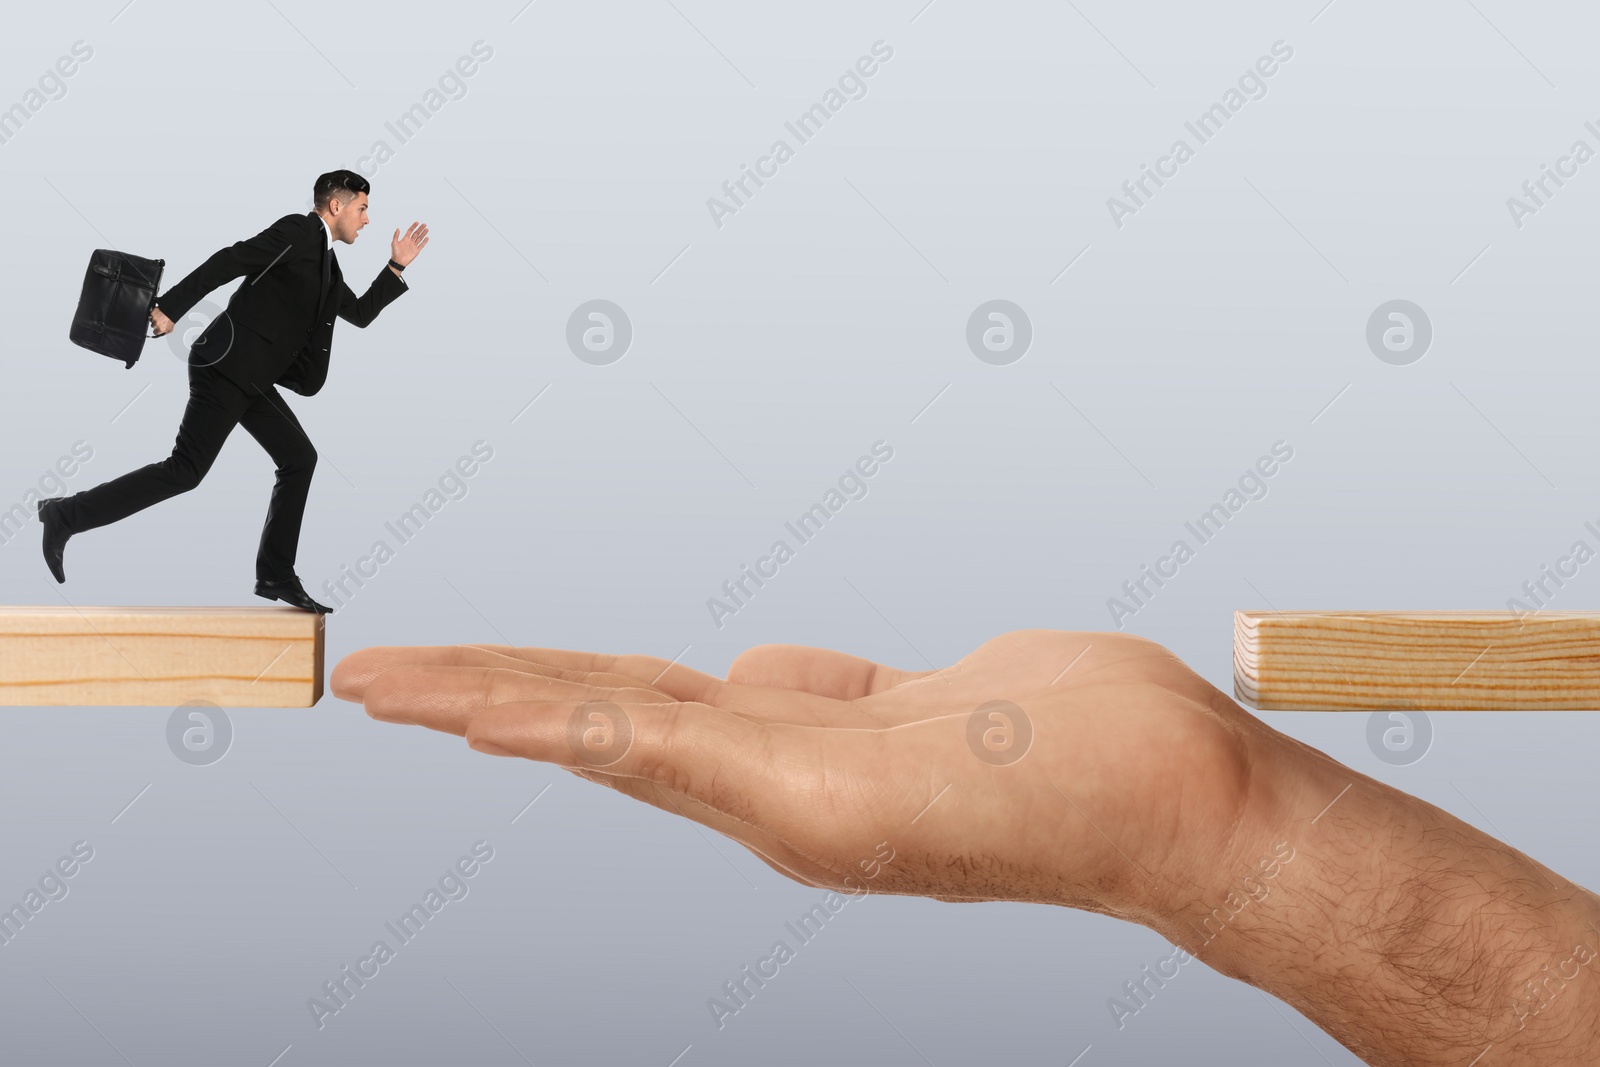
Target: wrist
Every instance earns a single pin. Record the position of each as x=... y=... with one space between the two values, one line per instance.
x=1405 y=933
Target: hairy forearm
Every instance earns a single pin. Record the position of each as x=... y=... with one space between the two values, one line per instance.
x=1408 y=935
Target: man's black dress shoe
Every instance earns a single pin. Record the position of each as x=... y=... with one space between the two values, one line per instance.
x=55 y=536
x=291 y=592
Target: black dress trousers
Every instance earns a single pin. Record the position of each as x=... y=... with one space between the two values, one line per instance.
x=216 y=405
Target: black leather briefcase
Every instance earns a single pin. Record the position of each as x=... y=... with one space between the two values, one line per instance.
x=113 y=316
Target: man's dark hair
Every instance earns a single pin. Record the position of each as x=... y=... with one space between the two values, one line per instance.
x=346 y=184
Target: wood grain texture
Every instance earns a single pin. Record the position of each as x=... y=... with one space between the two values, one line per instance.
x=1417 y=660
x=266 y=657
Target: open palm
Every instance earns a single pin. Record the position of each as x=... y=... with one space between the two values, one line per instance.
x=404 y=249
x=1093 y=770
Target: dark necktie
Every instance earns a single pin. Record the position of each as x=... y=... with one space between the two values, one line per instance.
x=327 y=279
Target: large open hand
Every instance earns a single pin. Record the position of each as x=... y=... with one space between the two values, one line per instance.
x=1093 y=770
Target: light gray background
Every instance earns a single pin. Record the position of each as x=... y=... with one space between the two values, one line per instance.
x=830 y=312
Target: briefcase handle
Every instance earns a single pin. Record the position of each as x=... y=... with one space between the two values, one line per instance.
x=114 y=272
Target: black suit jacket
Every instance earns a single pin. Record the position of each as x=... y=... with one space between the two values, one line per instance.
x=277 y=330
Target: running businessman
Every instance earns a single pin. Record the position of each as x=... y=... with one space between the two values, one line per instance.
x=277 y=330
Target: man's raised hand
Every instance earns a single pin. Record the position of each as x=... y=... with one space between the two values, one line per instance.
x=404 y=249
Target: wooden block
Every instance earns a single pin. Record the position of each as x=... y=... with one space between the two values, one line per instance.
x=265 y=657
x=1417 y=660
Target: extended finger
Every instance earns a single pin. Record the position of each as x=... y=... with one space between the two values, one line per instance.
x=357 y=670
x=448 y=698
x=770 y=775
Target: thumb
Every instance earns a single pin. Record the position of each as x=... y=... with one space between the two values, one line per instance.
x=821 y=671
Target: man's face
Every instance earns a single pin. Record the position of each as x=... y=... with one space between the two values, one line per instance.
x=348 y=218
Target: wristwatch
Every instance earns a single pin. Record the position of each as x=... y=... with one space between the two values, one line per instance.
x=396 y=266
